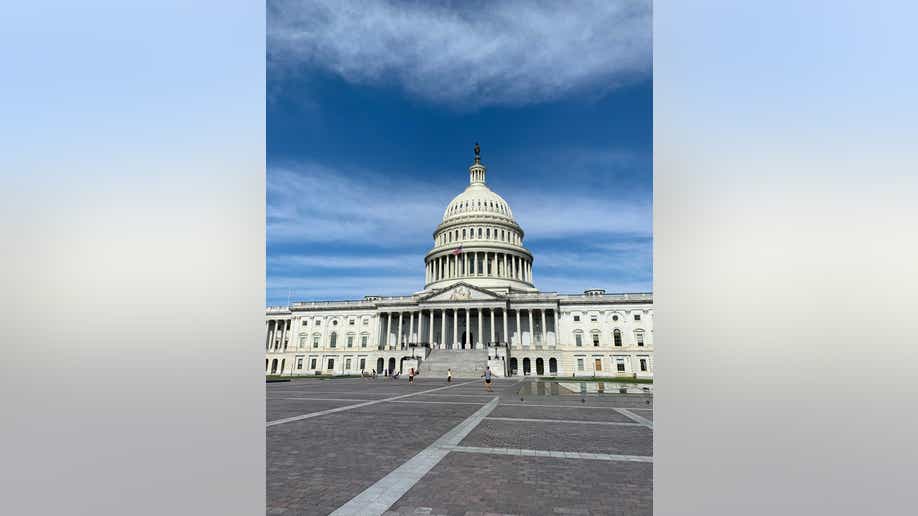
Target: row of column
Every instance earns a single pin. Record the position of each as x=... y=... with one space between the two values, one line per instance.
x=399 y=322
x=275 y=326
x=428 y=319
x=543 y=326
x=479 y=263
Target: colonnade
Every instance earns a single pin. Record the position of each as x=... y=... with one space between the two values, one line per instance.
x=419 y=327
x=481 y=264
x=277 y=333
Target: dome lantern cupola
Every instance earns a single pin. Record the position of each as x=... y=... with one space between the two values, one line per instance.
x=477 y=170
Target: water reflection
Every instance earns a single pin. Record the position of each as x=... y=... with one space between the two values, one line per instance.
x=552 y=388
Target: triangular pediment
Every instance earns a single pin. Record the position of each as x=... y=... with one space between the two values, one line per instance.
x=463 y=292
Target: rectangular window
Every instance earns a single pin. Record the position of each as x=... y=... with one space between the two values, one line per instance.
x=363 y=364
x=580 y=364
x=312 y=364
x=350 y=341
x=302 y=342
x=594 y=318
x=363 y=341
x=640 y=339
x=347 y=364
x=643 y=364
x=576 y=318
x=637 y=317
x=331 y=363
x=299 y=362
x=351 y=322
x=596 y=340
x=305 y=323
x=598 y=364
x=620 y=365
x=578 y=340
x=315 y=341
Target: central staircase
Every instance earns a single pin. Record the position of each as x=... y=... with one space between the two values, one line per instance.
x=465 y=364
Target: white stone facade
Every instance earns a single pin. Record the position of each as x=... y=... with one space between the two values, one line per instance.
x=479 y=293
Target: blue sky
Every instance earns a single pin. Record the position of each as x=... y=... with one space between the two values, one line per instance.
x=373 y=111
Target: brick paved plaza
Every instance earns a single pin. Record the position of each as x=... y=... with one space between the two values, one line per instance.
x=353 y=446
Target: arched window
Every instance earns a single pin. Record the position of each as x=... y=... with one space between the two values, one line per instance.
x=488 y=233
x=479 y=232
x=552 y=366
x=463 y=233
x=617 y=337
x=333 y=340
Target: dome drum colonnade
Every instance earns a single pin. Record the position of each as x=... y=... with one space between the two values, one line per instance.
x=479 y=239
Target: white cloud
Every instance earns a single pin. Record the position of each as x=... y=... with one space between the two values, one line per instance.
x=510 y=53
x=409 y=262
x=314 y=204
x=343 y=287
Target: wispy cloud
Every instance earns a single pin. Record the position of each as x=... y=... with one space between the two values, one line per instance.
x=308 y=288
x=314 y=204
x=507 y=53
x=404 y=262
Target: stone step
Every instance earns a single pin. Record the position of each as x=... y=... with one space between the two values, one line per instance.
x=464 y=364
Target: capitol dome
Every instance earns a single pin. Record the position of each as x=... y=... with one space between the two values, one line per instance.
x=478 y=242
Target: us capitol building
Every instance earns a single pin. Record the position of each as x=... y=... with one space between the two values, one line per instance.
x=479 y=307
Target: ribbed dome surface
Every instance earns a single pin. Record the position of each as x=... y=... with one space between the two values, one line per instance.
x=477 y=200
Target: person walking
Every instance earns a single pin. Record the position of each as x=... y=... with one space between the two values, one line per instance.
x=411 y=375
x=449 y=376
x=487 y=377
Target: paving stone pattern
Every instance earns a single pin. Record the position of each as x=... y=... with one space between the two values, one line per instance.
x=316 y=465
x=470 y=484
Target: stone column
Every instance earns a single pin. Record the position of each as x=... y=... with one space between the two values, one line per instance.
x=442 y=343
x=398 y=338
x=504 y=311
x=492 y=323
x=455 y=328
x=544 y=329
x=554 y=312
x=531 y=339
x=430 y=341
x=480 y=344
x=268 y=335
x=468 y=327
x=411 y=326
x=519 y=329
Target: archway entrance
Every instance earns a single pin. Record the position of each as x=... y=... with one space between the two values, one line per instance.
x=392 y=365
x=540 y=366
x=471 y=336
x=553 y=366
x=274 y=366
x=513 y=366
x=527 y=367
x=379 y=365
